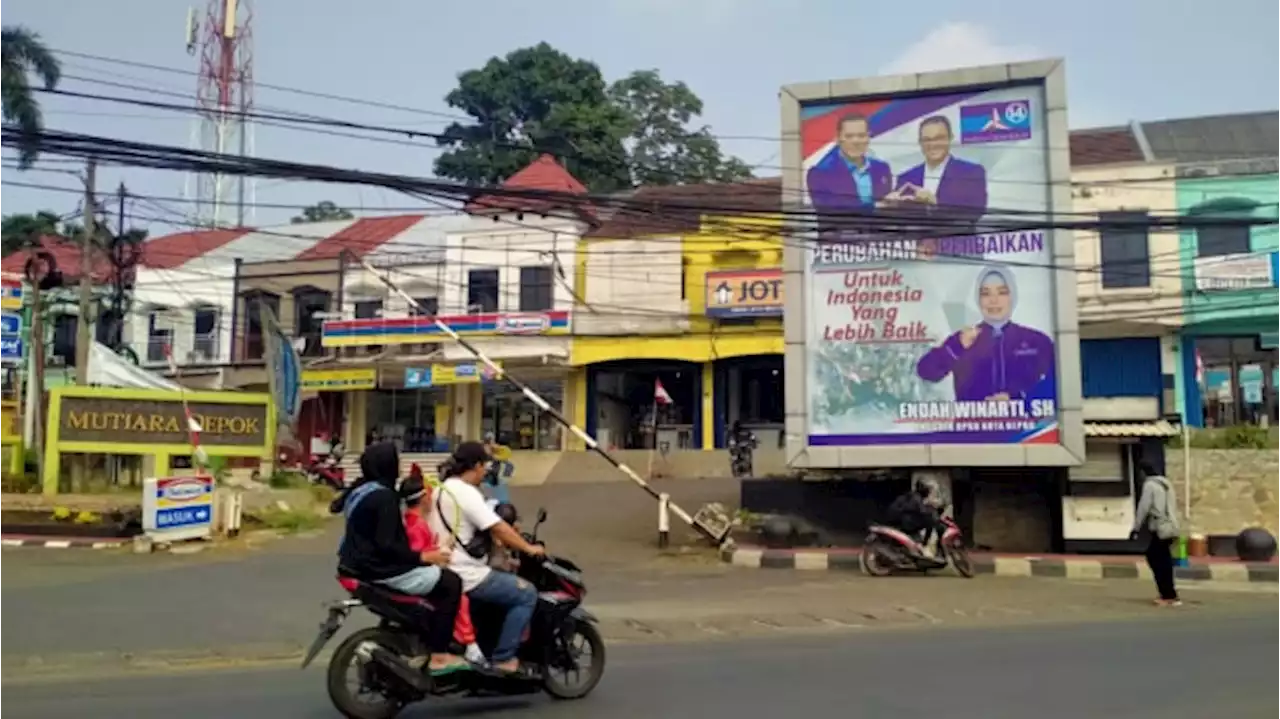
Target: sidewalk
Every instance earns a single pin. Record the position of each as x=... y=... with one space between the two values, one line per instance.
x=1216 y=569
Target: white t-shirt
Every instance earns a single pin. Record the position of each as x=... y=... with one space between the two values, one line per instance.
x=467 y=512
x=933 y=175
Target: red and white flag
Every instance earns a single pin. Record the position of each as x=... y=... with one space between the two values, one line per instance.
x=660 y=395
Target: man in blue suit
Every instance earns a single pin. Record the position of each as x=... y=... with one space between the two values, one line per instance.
x=846 y=179
x=943 y=185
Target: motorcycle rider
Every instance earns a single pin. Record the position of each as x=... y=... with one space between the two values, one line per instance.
x=375 y=549
x=917 y=514
x=461 y=512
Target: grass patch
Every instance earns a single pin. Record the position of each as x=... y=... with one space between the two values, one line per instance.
x=1234 y=437
x=289 y=521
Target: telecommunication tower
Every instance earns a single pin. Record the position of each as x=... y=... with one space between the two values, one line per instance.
x=221 y=36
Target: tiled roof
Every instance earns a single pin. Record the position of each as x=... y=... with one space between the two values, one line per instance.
x=1216 y=138
x=67 y=256
x=679 y=209
x=360 y=238
x=1104 y=146
x=171 y=251
x=544 y=173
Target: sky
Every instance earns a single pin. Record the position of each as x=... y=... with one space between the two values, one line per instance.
x=1126 y=60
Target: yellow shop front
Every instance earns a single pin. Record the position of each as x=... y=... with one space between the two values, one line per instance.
x=725 y=364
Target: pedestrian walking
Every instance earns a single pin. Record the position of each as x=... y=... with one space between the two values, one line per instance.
x=1157 y=516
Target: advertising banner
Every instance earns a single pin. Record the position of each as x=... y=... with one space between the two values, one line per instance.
x=335 y=380
x=443 y=374
x=177 y=507
x=938 y=330
x=744 y=293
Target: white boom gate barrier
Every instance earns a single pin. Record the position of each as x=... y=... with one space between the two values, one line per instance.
x=710 y=522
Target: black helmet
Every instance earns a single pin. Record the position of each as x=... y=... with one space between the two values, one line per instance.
x=507 y=511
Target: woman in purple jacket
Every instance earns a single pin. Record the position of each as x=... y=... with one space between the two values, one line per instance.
x=996 y=359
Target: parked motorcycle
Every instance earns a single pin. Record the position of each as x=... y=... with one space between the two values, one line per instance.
x=560 y=633
x=741 y=454
x=327 y=469
x=888 y=550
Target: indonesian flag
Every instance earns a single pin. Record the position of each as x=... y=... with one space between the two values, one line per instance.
x=660 y=395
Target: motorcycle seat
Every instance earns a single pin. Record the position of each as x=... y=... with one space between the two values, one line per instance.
x=356 y=586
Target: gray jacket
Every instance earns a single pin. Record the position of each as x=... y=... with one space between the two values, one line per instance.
x=1157 y=511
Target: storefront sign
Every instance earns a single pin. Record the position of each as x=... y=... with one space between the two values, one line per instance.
x=1235 y=272
x=330 y=380
x=738 y=293
x=414 y=330
x=447 y=374
x=94 y=419
x=177 y=507
x=10 y=295
x=10 y=337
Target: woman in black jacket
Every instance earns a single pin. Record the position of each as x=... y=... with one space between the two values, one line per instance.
x=376 y=549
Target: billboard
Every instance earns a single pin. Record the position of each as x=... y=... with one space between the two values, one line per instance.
x=931 y=306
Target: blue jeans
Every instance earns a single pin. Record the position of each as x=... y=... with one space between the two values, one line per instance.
x=518 y=596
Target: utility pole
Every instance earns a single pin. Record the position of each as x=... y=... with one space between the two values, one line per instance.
x=120 y=195
x=83 y=336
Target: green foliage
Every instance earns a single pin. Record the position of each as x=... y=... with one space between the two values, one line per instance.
x=285 y=479
x=21 y=55
x=539 y=100
x=323 y=211
x=289 y=521
x=22 y=230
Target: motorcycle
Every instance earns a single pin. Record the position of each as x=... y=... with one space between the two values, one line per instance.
x=741 y=454
x=327 y=470
x=887 y=550
x=559 y=632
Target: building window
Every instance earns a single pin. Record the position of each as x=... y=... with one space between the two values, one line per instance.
x=516 y=422
x=535 y=289
x=368 y=309
x=1125 y=251
x=253 y=304
x=482 y=291
x=159 y=335
x=204 y=341
x=684 y=278
x=427 y=306
x=64 y=338
x=1222 y=240
x=309 y=306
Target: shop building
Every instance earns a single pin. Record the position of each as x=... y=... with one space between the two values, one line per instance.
x=1228 y=371
x=691 y=299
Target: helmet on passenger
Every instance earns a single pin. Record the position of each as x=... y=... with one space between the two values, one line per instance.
x=507 y=512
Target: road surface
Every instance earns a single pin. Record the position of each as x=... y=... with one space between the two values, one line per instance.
x=1170 y=665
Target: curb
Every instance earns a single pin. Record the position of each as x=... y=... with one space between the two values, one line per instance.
x=10 y=540
x=846 y=560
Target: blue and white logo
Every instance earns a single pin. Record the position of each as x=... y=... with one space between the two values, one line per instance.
x=415 y=377
x=10 y=324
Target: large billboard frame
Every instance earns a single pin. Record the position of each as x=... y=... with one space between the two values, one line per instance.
x=1050 y=75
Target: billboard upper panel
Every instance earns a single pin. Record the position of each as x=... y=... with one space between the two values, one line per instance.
x=941 y=323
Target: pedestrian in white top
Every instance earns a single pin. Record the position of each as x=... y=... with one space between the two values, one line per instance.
x=462 y=514
x=1157 y=515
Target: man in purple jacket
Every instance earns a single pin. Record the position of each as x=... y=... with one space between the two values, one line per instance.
x=943 y=185
x=996 y=359
x=846 y=179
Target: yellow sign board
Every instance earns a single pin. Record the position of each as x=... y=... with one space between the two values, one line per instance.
x=329 y=380
x=744 y=293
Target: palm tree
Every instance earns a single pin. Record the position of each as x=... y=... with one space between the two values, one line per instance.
x=23 y=53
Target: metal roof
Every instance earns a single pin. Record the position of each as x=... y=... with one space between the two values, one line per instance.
x=1158 y=428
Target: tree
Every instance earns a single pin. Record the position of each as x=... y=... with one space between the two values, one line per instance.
x=664 y=151
x=535 y=100
x=323 y=211
x=22 y=53
x=24 y=230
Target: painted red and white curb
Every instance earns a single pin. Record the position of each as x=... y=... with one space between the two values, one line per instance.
x=11 y=540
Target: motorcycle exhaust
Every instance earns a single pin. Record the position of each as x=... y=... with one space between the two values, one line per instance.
x=370 y=652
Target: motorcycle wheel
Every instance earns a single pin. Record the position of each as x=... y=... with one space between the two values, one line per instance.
x=874 y=558
x=562 y=690
x=345 y=700
x=960 y=560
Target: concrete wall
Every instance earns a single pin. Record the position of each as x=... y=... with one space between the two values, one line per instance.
x=1145 y=187
x=632 y=287
x=1231 y=489
x=176 y=294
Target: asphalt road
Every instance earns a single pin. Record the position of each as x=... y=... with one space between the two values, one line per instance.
x=1168 y=666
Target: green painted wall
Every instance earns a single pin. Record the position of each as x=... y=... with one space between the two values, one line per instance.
x=1246 y=311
